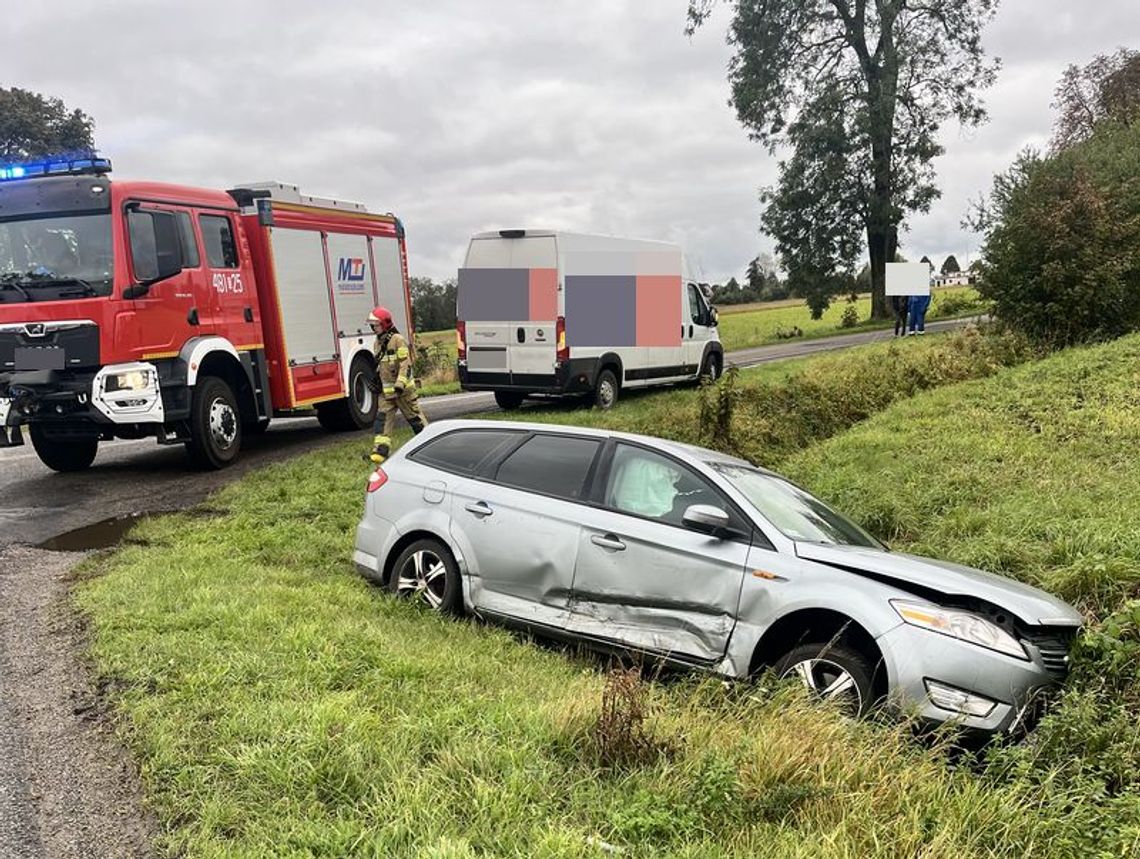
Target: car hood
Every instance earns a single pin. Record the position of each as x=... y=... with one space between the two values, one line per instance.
x=1030 y=604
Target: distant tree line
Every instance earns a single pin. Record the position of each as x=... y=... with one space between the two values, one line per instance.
x=433 y=303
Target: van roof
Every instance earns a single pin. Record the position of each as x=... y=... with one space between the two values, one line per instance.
x=575 y=237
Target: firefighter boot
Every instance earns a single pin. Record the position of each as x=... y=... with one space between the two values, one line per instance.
x=381 y=447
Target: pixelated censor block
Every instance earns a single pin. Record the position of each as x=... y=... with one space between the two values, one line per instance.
x=658 y=310
x=494 y=294
x=601 y=310
x=543 y=294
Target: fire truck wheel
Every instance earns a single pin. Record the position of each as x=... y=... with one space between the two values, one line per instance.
x=64 y=454
x=357 y=411
x=215 y=424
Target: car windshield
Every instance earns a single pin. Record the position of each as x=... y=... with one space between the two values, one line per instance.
x=59 y=256
x=796 y=513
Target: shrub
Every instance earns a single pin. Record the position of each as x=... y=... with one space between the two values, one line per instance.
x=850 y=317
x=1062 y=252
x=767 y=422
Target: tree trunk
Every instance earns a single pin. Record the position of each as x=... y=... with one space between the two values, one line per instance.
x=877 y=246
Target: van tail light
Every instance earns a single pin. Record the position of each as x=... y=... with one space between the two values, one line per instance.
x=560 y=334
x=378 y=479
x=461 y=339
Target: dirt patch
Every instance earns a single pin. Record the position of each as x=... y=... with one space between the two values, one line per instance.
x=67 y=788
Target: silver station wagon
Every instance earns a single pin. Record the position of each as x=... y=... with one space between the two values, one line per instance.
x=692 y=557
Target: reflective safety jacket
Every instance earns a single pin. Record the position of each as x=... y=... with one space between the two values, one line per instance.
x=393 y=361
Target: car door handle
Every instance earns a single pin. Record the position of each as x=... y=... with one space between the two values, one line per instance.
x=479 y=508
x=608 y=542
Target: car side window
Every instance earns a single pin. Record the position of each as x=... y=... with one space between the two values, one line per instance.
x=550 y=464
x=647 y=484
x=218 y=236
x=461 y=452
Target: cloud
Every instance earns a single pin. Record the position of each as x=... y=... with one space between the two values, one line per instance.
x=460 y=116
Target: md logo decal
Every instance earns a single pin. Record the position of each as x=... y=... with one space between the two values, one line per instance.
x=350 y=274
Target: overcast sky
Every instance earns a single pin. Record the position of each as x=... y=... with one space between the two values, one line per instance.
x=461 y=115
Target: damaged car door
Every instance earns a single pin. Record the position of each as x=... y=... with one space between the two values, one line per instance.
x=646 y=579
x=518 y=526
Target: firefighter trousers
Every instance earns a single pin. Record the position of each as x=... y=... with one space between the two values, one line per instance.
x=407 y=404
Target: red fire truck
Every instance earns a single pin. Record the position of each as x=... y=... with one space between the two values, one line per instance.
x=134 y=309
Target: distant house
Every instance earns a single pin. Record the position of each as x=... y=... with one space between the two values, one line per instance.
x=958 y=278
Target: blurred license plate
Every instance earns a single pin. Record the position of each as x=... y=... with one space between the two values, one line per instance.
x=45 y=358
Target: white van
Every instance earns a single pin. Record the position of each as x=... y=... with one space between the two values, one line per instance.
x=544 y=312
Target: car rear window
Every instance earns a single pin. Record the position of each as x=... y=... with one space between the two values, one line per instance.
x=462 y=451
x=551 y=465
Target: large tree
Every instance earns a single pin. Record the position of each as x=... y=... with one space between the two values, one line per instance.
x=858 y=90
x=1108 y=88
x=950 y=265
x=32 y=125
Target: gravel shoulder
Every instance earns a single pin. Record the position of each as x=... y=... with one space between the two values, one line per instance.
x=67 y=787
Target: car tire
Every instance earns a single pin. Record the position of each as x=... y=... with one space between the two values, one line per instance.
x=63 y=455
x=215 y=425
x=426 y=571
x=710 y=369
x=508 y=401
x=606 y=391
x=832 y=672
x=357 y=411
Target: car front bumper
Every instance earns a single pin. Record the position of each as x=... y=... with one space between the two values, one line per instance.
x=917 y=657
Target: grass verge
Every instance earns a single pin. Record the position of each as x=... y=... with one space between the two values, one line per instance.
x=281 y=706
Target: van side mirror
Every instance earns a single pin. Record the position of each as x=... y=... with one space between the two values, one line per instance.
x=156 y=248
x=706 y=519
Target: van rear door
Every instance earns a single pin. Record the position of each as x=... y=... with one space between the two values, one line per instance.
x=508 y=301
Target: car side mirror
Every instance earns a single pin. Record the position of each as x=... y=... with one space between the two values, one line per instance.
x=714 y=317
x=156 y=248
x=706 y=519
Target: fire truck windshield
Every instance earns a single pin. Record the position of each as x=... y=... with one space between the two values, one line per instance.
x=62 y=256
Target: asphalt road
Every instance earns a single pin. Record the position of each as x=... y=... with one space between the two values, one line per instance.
x=132 y=477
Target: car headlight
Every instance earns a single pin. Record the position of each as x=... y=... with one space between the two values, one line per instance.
x=963 y=625
x=132 y=380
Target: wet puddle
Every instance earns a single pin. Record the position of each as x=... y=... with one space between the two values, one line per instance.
x=100 y=535
x=111 y=532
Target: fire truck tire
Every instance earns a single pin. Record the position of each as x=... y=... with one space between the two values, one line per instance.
x=63 y=455
x=357 y=411
x=215 y=425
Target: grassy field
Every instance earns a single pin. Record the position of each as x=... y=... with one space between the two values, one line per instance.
x=280 y=706
x=741 y=327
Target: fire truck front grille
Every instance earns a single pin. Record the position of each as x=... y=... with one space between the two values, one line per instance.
x=48 y=346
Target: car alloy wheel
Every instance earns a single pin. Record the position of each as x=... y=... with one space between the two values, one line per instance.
x=829 y=681
x=423 y=576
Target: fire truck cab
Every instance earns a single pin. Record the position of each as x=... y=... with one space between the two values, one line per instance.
x=134 y=309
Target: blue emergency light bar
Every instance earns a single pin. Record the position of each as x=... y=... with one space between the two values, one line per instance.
x=55 y=167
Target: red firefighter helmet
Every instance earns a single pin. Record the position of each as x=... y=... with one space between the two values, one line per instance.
x=382 y=317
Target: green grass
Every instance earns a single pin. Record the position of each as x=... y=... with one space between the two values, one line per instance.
x=280 y=706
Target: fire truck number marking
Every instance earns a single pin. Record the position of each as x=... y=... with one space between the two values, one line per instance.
x=224 y=283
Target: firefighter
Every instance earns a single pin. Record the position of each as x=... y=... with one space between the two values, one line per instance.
x=396 y=387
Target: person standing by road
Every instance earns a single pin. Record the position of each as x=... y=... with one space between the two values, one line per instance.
x=918 y=306
x=899 y=307
x=397 y=388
